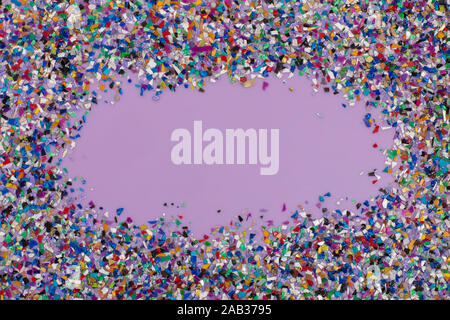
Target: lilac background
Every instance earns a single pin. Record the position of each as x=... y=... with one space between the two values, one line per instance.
x=124 y=153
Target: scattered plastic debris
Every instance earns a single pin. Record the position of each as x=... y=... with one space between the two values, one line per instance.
x=59 y=58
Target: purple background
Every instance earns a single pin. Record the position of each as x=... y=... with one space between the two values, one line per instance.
x=124 y=153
